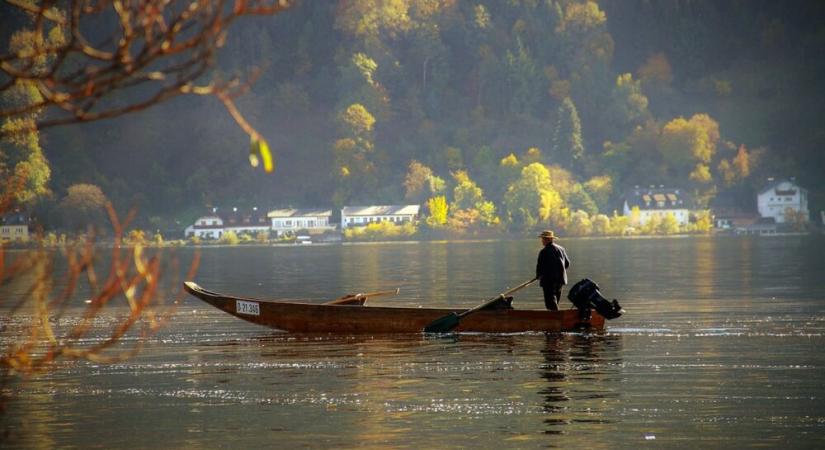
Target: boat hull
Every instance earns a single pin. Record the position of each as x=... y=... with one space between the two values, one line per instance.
x=354 y=319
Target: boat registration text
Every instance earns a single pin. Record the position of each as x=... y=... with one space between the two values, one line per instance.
x=250 y=308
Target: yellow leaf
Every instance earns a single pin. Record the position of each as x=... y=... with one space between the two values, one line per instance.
x=259 y=152
x=253 y=152
x=266 y=155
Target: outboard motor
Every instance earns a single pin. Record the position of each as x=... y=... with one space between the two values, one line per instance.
x=585 y=295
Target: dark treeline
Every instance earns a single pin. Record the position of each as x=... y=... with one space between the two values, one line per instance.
x=712 y=96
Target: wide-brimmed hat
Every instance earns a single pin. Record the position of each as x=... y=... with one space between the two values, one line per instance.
x=548 y=234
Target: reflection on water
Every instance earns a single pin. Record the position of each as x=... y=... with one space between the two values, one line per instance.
x=577 y=367
x=721 y=346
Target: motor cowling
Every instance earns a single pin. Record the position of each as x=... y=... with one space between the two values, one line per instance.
x=585 y=295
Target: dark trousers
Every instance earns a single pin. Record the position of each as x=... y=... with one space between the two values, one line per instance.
x=552 y=294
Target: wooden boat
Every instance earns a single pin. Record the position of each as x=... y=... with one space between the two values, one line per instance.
x=352 y=317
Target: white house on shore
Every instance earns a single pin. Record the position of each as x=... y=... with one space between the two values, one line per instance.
x=14 y=227
x=216 y=224
x=364 y=215
x=206 y=227
x=249 y=221
x=780 y=195
x=657 y=201
x=314 y=221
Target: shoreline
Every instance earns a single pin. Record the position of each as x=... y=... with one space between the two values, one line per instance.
x=11 y=246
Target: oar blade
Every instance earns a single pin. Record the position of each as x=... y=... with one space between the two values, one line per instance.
x=443 y=325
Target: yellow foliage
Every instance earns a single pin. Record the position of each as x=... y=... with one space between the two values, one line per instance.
x=358 y=119
x=533 y=155
x=688 y=142
x=701 y=174
x=583 y=16
x=438 y=211
x=136 y=237
x=345 y=145
x=741 y=162
x=561 y=179
x=380 y=231
x=620 y=225
x=724 y=169
x=229 y=238
x=600 y=187
x=704 y=222
x=668 y=224
x=509 y=161
x=580 y=224
x=368 y=18
x=601 y=224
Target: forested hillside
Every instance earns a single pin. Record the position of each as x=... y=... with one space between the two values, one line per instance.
x=519 y=111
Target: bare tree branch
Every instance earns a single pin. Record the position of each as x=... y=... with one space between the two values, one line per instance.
x=158 y=49
x=134 y=278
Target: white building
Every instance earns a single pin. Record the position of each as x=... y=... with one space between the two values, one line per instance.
x=364 y=215
x=778 y=196
x=292 y=220
x=653 y=201
x=14 y=227
x=250 y=221
x=206 y=227
x=215 y=225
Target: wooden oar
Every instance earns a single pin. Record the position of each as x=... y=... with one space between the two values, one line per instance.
x=361 y=298
x=450 y=321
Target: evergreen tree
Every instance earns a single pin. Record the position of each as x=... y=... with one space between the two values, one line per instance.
x=566 y=146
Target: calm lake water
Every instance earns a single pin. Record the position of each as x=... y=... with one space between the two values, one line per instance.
x=723 y=345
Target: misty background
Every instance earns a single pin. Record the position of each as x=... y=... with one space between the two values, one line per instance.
x=598 y=89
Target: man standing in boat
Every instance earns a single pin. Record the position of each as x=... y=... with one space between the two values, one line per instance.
x=551 y=269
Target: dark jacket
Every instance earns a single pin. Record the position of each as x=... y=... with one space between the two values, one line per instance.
x=551 y=265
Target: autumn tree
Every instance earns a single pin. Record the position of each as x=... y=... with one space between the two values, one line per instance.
x=83 y=61
x=151 y=52
x=656 y=71
x=656 y=78
x=531 y=199
x=24 y=170
x=580 y=224
x=587 y=44
x=736 y=169
x=579 y=199
x=688 y=146
x=366 y=19
x=420 y=183
x=601 y=224
x=468 y=200
x=439 y=210
x=668 y=225
x=628 y=106
x=352 y=151
x=83 y=205
x=358 y=84
x=599 y=188
x=507 y=171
